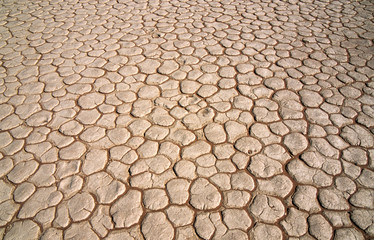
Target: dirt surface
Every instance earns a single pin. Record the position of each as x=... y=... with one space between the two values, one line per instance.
x=186 y=119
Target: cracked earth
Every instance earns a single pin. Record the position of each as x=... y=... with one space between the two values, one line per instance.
x=188 y=119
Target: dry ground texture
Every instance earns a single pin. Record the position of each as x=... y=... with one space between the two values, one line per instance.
x=188 y=119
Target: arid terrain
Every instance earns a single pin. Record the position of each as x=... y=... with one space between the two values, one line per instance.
x=181 y=120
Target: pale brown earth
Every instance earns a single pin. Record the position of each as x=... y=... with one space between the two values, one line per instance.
x=186 y=119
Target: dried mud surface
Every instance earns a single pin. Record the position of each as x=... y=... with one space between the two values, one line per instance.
x=186 y=119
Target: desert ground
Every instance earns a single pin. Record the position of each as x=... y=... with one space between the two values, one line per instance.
x=186 y=119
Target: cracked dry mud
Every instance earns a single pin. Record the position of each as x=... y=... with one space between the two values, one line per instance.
x=188 y=119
